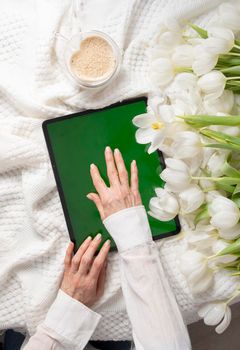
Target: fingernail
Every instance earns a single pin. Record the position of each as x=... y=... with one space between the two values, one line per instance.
x=107 y=243
x=99 y=236
x=108 y=149
x=134 y=162
x=92 y=166
x=88 y=196
x=88 y=238
x=116 y=150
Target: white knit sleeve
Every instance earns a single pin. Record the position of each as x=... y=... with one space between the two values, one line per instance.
x=153 y=311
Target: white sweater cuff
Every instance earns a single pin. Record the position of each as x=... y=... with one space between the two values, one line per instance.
x=129 y=227
x=72 y=320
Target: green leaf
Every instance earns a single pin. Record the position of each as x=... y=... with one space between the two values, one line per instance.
x=220 y=136
x=225 y=187
x=207 y=120
x=202 y=32
x=229 y=170
x=224 y=146
x=227 y=180
x=236 y=200
x=233 y=248
x=202 y=214
x=235 y=70
x=237 y=190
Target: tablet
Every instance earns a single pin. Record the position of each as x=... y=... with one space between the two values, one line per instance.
x=77 y=140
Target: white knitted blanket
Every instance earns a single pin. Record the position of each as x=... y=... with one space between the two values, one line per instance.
x=33 y=87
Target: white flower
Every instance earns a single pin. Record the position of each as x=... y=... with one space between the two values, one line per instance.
x=202 y=237
x=204 y=61
x=217 y=247
x=194 y=267
x=216 y=313
x=220 y=40
x=164 y=207
x=176 y=174
x=223 y=104
x=183 y=56
x=191 y=199
x=161 y=72
x=212 y=84
x=229 y=16
x=224 y=213
x=231 y=233
x=187 y=145
x=216 y=161
x=151 y=126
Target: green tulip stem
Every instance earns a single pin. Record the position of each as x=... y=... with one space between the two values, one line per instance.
x=236 y=46
x=232 y=78
x=232 y=54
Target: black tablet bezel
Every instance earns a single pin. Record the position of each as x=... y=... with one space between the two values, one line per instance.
x=57 y=177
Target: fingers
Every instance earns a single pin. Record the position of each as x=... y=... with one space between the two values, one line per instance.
x=97 y=180
x=78 y=256
x=68 y=256
x=100 y=260
x=101 y=280
x=134 y=183
x=122 y=171
x=111 y=168
x=87 y=258
x=96 y=199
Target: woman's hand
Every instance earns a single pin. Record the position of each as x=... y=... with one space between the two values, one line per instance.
x=120 y=194
x=84 y=274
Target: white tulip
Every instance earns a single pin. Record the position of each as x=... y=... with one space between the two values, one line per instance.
x=202 y=237
x=212 y=84
x=204 y=61
x=229 y=16
x=164 y=207
x=216 y=313
x=224 y=213
x=161 y=72
x=215 y=163
x=183 y=56
x=187 y=145
x=231 y=233
x=176 y=174
x=220 y=40
x=191 y=199
x=223 y=104
x=194 y=267
x=217 y=247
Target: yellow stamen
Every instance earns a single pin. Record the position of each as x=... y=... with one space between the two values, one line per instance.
x=157 y=125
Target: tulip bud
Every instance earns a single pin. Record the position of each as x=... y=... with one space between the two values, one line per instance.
x=164 y=207
x=176 y=174
x=194 y=266
x=212 y=84
x=224 y=213
x=187 y=145
x=191 y=199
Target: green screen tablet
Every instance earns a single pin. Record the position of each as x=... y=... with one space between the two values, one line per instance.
x=75 y=141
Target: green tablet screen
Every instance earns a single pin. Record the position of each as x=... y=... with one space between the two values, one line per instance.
x=76 y=141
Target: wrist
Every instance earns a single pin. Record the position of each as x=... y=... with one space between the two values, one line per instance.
x=129 y=227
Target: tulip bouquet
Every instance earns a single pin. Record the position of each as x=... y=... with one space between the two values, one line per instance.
x=193 y=119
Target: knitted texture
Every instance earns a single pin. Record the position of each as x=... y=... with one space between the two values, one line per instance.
x=34 y=87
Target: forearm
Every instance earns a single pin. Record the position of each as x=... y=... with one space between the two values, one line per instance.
x=68 y=325
x=154 y=314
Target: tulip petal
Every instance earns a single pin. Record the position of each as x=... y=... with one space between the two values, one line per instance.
x=225 y=322
x=144 y=120
x=215 y=315
x=145 y=135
